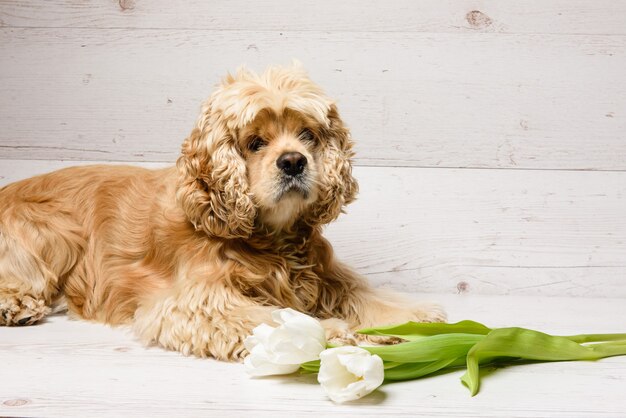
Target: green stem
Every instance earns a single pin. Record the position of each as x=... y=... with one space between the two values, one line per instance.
x=592 y=338
x=609 y=349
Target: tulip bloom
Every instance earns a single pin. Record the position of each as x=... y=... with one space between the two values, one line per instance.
x=298 y=339
x=348 y=373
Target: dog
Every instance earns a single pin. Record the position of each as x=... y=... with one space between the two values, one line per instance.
x=195 y=256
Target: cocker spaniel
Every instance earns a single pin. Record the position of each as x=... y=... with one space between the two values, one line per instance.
x=195 y=256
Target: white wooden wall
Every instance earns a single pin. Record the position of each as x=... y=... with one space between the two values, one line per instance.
x=491 y=134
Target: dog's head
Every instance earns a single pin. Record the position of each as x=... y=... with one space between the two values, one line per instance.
x=267 y=150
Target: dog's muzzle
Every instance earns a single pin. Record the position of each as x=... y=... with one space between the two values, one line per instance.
x=293 y=175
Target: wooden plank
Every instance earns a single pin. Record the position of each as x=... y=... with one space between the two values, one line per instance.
x=65 y=368
x=508 y=16
x=517 y=232
x=488 y=231
x=427 y=100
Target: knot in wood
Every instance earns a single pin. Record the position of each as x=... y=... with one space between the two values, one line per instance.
x=478 y=19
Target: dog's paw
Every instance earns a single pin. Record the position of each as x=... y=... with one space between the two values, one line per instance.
x=363 y=339
x=338 y=332
x=24 y=310
x=428 y=312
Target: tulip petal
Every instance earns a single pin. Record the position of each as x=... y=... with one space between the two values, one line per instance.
x=348 y=373
x=263 y=333
x=298 y=322
x=257 y=366
x=298 y=339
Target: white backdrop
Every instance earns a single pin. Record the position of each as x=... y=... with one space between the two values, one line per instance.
x=491 y=134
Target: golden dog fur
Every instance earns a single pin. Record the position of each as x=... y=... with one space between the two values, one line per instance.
x=195 y=256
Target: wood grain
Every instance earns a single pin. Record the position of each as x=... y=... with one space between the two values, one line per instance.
x=507 y=16
x=517 y=232
x=428 y=100
x=65 y=368
x=491 y=143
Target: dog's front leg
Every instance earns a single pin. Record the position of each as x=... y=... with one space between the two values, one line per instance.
x=205 y=319
x=363 y=306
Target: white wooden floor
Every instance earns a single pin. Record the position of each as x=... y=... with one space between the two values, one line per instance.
x=69 y=368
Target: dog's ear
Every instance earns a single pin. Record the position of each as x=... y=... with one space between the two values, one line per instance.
x=337 y=186
x=212 y=184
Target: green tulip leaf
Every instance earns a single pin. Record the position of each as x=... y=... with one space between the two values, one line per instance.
x=406 y=371
x=412 y=331
x=428 y=349
x=433 y=347
x=521 y=343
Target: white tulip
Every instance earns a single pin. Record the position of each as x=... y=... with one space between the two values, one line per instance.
x=348 y=373
x=280 y=350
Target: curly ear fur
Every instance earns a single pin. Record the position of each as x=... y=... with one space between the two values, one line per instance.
x=213 y=186
x=338 y=187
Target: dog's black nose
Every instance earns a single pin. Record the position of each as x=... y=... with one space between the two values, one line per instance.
x=291 y=163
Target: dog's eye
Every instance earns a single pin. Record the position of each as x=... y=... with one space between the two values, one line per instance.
x=256 y=143
x=306 y=135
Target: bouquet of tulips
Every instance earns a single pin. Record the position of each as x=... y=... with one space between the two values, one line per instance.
x=348 y=372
